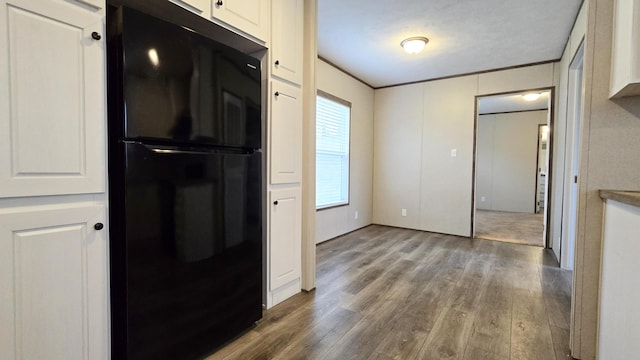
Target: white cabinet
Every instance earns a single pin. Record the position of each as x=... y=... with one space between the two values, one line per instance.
x=51 y=99
x=285 y=245
x=286 y=133
x=248 y=16
x=96 y=4
x=625 y=54
x=53 y=263
x=53 y=283
x=619 y=318
x=286 y=39
x=200 y=7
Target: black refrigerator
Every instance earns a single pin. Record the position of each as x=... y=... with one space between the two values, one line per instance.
x=185 y=189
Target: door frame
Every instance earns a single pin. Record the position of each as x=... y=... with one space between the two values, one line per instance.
x=551 y=117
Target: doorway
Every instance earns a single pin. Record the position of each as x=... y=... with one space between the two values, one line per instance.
x=542 y=163
x=512 y=166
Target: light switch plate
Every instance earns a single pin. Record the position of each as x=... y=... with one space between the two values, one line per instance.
x=454 y=152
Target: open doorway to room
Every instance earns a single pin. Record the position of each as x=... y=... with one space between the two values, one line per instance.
x=513 y=142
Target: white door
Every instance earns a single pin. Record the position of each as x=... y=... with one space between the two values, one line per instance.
x=286 y=133
x=572 y=151
x=248 y=16
x=285 y=237
x=52 y=85
x=286 y=40
x=53 y=283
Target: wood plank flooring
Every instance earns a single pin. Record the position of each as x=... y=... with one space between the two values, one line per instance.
x=513 y=227
x=387 y=293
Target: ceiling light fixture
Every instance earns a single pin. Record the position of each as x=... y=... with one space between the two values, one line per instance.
x=531 y=96
x=414 y=45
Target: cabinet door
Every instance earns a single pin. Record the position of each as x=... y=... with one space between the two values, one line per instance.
x=200 y=7
x=285 y=237
x=54 y=280
x=248 y=16
x=625 y=59
x=52 y=86
x=286 y=133
x=286 y=40
x=97 y=4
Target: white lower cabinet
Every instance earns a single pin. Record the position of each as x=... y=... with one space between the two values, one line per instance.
x=53 y=282
x=285 y=244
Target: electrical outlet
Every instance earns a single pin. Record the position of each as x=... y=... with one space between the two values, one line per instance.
x=355 y=216
x=404 y=212
x=454 y=152
x=482 y=199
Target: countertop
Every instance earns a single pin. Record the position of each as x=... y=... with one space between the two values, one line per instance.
x=626 y=197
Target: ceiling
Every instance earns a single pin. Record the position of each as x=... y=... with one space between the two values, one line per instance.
x=512 y=103
x=363 y=37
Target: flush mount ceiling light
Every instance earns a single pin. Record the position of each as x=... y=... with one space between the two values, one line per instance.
x=414 y=45
x=531 y=96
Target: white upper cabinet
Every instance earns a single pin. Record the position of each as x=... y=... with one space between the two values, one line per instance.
x=200 y=7
x=54 y=283
x=96 y=4
x=52 y=84
x=625 y=54
x=286 y=133
x=248 y=16
x=286 y=39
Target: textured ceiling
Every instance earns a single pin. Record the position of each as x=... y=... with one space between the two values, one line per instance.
x=512 y=102
x=363 y=36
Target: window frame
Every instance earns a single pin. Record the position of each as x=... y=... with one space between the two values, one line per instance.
x=331 y=97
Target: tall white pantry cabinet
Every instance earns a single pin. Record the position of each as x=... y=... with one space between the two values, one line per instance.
x=53 y=234
x=284 y=253
x=54 y=282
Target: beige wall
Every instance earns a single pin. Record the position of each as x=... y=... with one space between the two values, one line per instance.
x=561 y=162
x=397 y=152
x=610 y=144
x=416 y=127
x=507 y=160
x=337 y=221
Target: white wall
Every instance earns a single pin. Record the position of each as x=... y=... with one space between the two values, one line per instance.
x=397 y=152
x=416 y=127
x=340 y=220
x=506 y=166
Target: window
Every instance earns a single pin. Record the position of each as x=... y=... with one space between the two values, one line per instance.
x=333 y=116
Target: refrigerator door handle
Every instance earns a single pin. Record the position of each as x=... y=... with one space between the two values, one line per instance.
x=176 y=150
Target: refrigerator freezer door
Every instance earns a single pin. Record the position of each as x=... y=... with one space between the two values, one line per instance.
x=181 y=87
